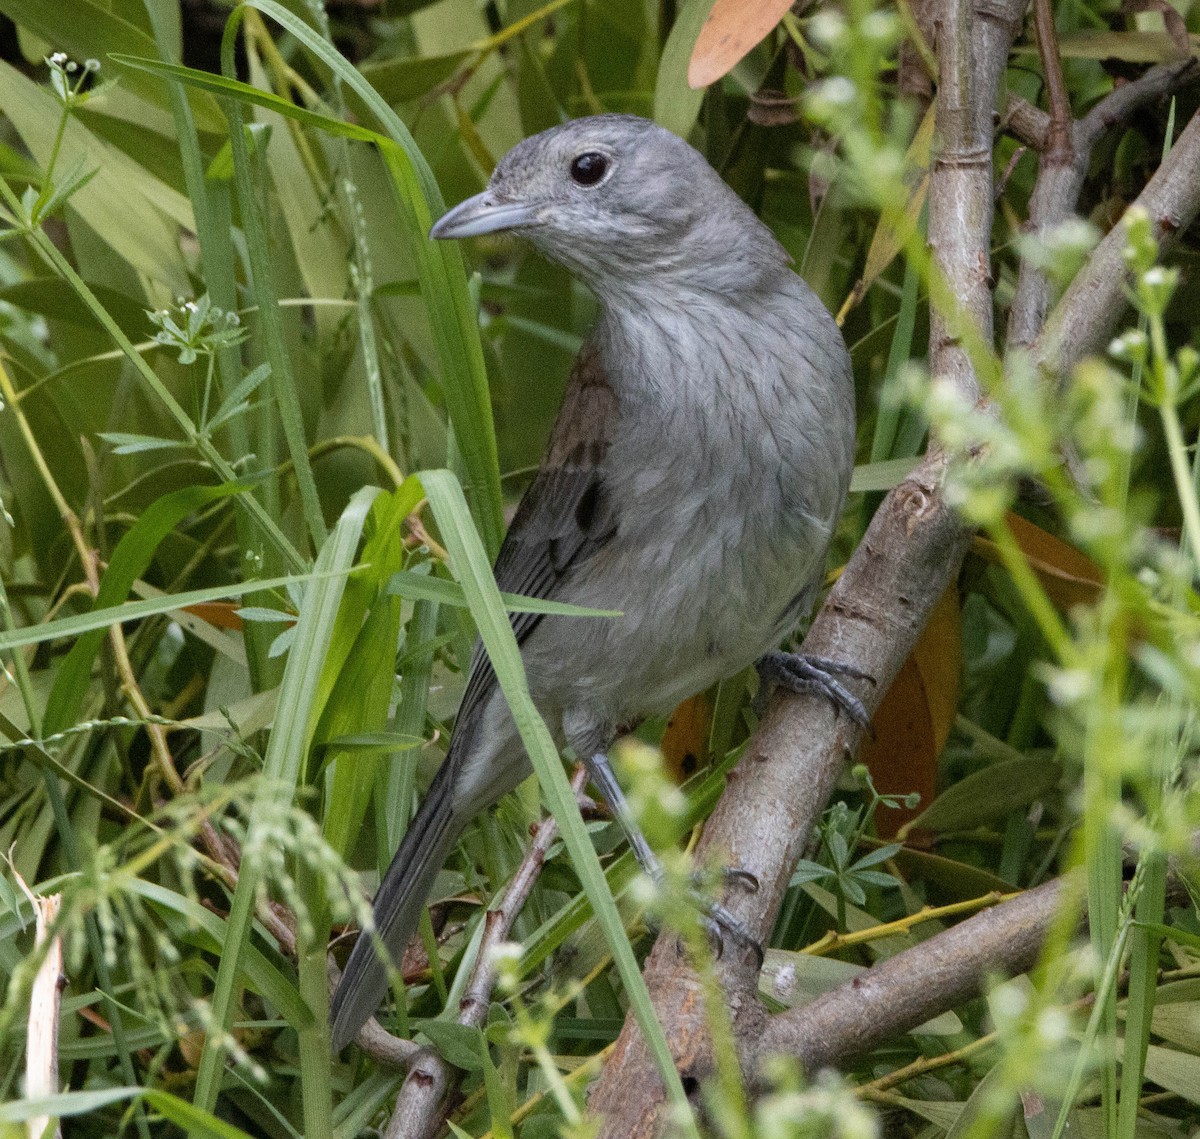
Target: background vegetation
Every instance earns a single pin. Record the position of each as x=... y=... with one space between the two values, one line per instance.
x=235 y=618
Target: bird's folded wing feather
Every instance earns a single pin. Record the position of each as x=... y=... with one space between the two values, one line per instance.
x=563 y=518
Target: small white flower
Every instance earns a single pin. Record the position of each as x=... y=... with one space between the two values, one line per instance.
x=59 y=57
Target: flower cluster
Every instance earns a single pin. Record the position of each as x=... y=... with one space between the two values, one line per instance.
x=69 y=78
x=196 y=328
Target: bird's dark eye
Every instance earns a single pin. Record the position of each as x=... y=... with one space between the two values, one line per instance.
x=589 y=168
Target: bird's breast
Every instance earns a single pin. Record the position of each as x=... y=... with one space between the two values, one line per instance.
x=725 y=477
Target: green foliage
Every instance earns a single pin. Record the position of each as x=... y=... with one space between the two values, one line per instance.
x=234 y=367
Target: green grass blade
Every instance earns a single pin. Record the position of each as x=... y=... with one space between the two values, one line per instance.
x=266 y=524
x=287 y=750
x=422 y=587
x=283 y=382
x=1144 y=944
x=151 y=607
x=474 y=573
x=440 y=269
x=443 y=284
x=128 y=562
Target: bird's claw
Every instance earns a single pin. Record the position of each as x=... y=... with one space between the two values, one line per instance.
x=798 y=672
x=719 y=921
x=743 y=878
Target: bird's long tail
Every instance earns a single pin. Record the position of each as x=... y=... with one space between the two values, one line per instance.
x=402 y=894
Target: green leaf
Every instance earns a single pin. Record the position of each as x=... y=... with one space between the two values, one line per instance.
x=457 y=1044
x=295 y=716
x=120 y=189
x=440 y=269
x=374 y=741
x=126 y=444
x=94 y=30
x=193 y=923
x=67 y=1104
x=883 y=475
x=128 y=562
x=473 y=570
x=792 y=979
x=881 y=854
x=236 y=400
x=807 y=871
x=989 y=794
x=405 y=78
x=676 y=105
x=98 y=620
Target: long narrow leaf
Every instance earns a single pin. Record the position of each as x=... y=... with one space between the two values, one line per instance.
x=474 y=573
x=295 y=717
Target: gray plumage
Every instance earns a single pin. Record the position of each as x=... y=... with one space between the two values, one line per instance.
x=693 y=478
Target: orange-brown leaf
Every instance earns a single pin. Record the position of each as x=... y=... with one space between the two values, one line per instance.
x=220 y=614
x=1068 y=576
x=733 y=27
x=685 y=742
x=915 y=717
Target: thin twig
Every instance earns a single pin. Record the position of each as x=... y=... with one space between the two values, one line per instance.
x=1058 y=137
x=834 y=941
x=421 y=1105
x=41 y=1034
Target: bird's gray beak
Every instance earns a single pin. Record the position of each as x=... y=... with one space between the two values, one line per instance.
x=484 y=213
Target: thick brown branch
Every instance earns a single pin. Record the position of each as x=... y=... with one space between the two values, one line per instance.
x=906 y=990
x=1089 y=311
x=972 y=53
x=909 y=555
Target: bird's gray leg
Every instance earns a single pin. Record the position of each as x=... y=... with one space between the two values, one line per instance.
x=602 y=776
x=799 y=672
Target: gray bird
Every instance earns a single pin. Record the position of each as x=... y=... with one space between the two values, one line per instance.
x=693 y=481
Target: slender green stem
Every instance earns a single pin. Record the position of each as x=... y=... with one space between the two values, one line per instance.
x=1184 y=486
x=207 y=449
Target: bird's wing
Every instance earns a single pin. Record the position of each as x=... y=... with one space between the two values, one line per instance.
x=563 y=518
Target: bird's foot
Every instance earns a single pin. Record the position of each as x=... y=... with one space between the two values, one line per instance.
x=719 y=921
x=798 y=672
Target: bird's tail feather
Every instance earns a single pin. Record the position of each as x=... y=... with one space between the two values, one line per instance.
x=398 y=904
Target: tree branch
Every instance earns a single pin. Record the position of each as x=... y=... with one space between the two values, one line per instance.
x=912 y=987
x=1089 y=311
x=1060 y=179
x=909 y=555
x=1025 y=122
x=421 y=1107
x=1058 y=147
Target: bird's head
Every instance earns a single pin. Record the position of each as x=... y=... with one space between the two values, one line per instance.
x=624 y=204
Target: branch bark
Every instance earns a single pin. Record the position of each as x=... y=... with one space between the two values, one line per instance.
x=912 y=987
x=911 y=552
x=1060 y=179
x=1092 y=306
x=421 y=1106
